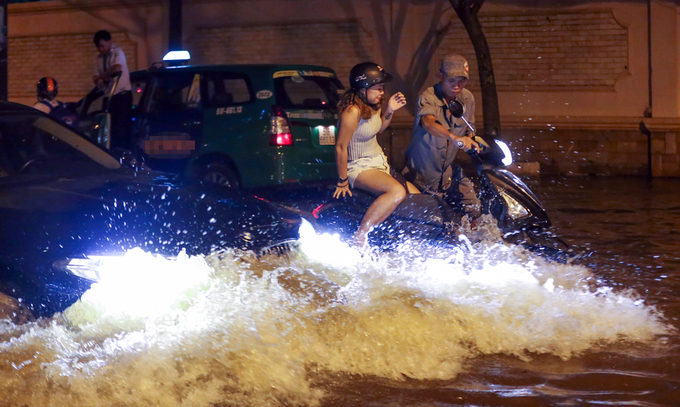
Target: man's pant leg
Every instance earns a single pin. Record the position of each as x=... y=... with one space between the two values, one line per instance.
x=461 y=194
x=119 y=108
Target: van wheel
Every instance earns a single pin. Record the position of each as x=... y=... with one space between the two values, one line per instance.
x=220 y=174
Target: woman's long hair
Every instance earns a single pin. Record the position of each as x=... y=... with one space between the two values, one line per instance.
x=353 y=97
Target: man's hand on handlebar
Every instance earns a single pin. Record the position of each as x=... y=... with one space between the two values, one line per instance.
x=466 y=143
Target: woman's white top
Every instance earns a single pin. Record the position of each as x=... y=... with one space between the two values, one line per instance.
x=364 y=142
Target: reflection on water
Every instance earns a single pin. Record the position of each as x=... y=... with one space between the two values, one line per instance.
x=478 y=324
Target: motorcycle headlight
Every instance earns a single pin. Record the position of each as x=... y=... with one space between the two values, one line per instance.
x=507 y=155
x=515 y=209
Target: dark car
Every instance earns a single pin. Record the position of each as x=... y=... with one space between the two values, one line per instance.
x=235 y=125
x=64 y=198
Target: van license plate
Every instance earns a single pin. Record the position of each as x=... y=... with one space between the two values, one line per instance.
x=326 y=135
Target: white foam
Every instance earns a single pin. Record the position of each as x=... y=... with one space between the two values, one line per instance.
x=246 y=331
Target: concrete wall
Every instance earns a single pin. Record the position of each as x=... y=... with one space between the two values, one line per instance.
x=572 y=82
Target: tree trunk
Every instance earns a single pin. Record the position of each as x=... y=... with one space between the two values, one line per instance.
x=467 y=12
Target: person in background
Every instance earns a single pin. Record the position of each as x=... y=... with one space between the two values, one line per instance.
x=438 y=135
x=46 y=90
x=110 y=63
x=360 y=159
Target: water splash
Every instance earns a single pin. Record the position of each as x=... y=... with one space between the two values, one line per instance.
x=243 y=330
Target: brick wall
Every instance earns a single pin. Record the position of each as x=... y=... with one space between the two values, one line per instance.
x=573 y=152
x=549 y=51
x=556 y=52
x=394 y=141
x=608 y=146
x=337 y=45
x=665 y=159
x=580 y=152
x=68 y=58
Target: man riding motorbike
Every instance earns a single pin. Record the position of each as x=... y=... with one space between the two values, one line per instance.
x=438 y=135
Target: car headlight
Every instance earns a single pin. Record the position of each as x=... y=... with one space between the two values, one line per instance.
x=136 y=284
x=89 y=267
x=515 y=209
x=94 y=267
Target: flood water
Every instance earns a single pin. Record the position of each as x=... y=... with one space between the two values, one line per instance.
x=482 y=324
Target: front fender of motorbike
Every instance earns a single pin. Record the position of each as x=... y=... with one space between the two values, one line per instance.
x=511 y=201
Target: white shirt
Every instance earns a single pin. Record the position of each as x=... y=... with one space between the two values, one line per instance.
x=43 y=107
x=113 y=57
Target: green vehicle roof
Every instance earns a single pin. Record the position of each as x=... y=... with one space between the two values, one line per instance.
x=239 y=68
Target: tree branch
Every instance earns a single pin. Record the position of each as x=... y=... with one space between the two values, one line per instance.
x=474 y=8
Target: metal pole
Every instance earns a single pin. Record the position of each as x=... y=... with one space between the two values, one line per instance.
x=645 y=130
x=175 y=25
x=648 y=112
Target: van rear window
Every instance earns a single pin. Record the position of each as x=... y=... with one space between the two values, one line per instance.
x=307 y=92
x=227 y=89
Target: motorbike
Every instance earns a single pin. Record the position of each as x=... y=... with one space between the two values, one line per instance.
x=519 y=214
x=94 y=116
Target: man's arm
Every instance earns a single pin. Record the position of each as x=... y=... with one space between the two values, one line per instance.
x=117 y=62
x=116 y=68
x=435 y=128
x=396 y=102
x=111 y=72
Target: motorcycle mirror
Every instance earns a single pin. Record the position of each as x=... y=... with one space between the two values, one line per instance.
x=457 y=109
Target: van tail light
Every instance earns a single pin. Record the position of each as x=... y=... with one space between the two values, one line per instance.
x=280 y=133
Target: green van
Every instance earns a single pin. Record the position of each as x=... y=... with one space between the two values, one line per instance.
x=237 y=125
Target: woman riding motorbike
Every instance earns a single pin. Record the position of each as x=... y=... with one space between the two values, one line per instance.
x=360 y=160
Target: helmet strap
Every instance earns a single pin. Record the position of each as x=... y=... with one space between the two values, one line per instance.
x=364 y=97
x=362 y=94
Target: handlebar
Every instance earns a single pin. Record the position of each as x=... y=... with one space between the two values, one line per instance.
x=457 y=110
x=476 y=139
x=492 y=153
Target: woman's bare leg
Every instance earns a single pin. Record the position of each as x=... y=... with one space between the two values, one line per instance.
x=390 y=194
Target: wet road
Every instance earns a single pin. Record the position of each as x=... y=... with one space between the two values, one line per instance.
x=484 y=324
